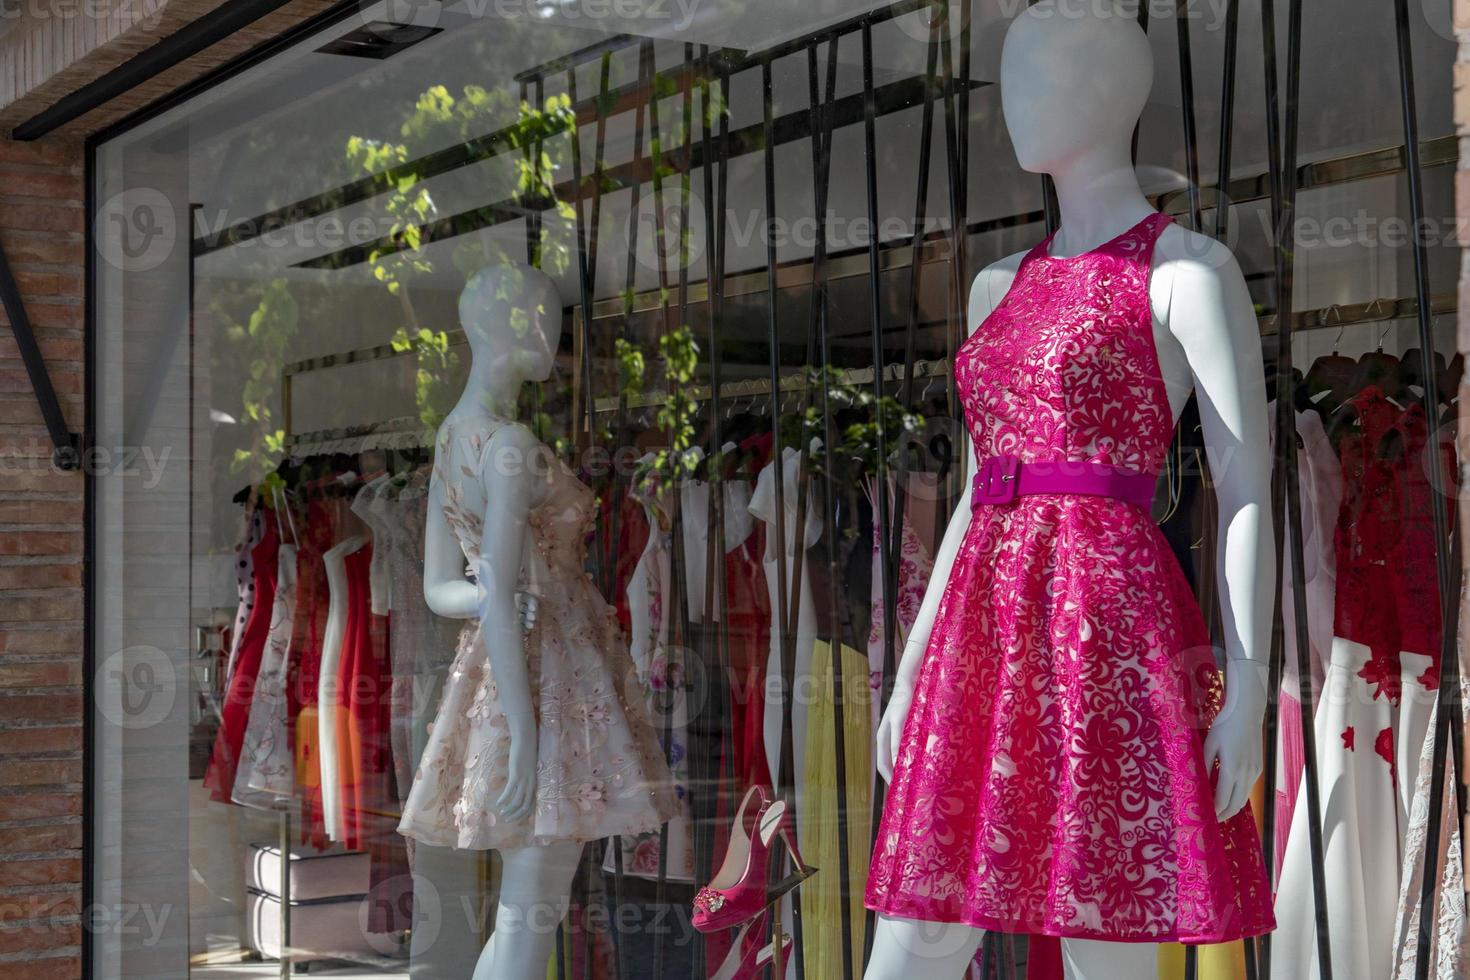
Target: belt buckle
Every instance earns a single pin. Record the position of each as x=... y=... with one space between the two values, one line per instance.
x=996 y=480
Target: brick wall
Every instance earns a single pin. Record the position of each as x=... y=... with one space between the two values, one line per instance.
x=41 y=700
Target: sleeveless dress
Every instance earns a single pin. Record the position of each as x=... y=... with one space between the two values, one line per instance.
x=1051 y=777
x=600 y=770
x=229 y=740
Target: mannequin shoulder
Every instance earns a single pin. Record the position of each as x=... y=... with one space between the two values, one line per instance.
x=1197 y=284
x=1188 y=257
x=990 y=285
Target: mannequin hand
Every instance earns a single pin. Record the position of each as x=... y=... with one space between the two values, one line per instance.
x=1234 y=740
x=519 y=796
x=890 y=726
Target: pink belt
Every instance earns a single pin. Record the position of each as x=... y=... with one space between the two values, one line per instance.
x=1001 y=479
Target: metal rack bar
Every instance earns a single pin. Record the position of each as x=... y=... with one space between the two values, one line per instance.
x=65 y=453
x=716 y=646
x=786 y=781
x=1448 y=703
x=1286 y=491
x=821 y=183
x=884 y=517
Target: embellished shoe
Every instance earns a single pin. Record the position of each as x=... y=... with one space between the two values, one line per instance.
x=738 y=892
x=747 y=959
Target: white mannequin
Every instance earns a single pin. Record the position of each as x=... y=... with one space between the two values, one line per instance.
x=512 y=318
x=1074 y=80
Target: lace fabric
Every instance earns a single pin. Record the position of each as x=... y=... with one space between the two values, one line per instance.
x=1051 y=777
x=600 y=770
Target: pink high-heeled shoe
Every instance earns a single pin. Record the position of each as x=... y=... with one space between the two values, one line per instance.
x=746 y=961
x=738 y=892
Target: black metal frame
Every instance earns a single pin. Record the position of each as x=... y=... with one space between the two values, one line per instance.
x=952 y=85
x=66 y=451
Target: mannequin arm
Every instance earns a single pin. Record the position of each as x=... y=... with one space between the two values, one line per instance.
x=510 y=493
x=447 y=592
x=1211 y=316
x=890 y=727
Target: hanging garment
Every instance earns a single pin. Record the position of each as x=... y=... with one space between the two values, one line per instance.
x=1447 y=948
x=365 y=773
x=1354 y=731
x=244 y=584
x=420 y=644
x=660 y=671
x=356 y=696
x=330 y=709
x=1051 y=774
x=837 y=797
x=694 y=506
x=797 y=604
x=915 y=566
x=1416 y=595
x=1320 y=489
x=304 y=668
x=747 y=632
x=600 y=770
x=224 y=761
x=371 y=506
x=266 y=776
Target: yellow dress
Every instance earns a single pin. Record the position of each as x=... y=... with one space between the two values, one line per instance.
x=821 y=896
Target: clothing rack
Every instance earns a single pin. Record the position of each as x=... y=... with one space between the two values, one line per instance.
x=404 y=432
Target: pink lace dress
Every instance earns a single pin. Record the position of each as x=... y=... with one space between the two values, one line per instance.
x=1051 y=778
x=599 y=768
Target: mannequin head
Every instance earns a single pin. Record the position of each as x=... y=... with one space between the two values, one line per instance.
x=1074 y=78
x=512 y=317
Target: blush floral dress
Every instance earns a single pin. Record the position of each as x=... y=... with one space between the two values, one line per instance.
x=1051 y=776
x=599 y=770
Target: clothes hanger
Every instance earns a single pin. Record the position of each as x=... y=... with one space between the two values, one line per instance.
x=1329 y=378
x=1381 y=370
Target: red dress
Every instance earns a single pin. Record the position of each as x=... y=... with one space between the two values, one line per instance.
x=312 y=596
x=219 y=777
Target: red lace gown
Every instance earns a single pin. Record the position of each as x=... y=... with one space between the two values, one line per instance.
x=219 y=777
x=1051 y=778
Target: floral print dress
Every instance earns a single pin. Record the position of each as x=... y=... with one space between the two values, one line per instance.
x=1051 y=776
x=600 y=770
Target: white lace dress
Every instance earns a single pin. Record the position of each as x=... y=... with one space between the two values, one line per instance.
x=599 y=770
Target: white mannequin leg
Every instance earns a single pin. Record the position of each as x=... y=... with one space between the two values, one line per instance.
x=535 y=890
x=1091 y=959
x=906 y=949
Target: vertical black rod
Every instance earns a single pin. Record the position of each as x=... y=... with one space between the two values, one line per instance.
x=1447 y=697
x=875 y=306
x=1282 y=129
x=821 y=126
x=1196 y=222
x=714 y=224
x=678 y=608
x=955 y=177
x=645 y=84
x=1186 y=96
x=528 y=195
x=1227 y=117
x=587 y=277
x=786 y=784
x=635 y=191
x=916 y=266
x=1143 y=26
